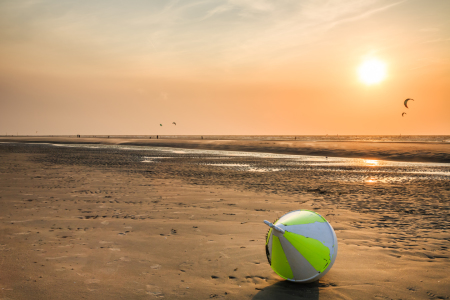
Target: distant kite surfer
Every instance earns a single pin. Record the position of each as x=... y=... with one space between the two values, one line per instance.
x=403 y=114
x=406 y=102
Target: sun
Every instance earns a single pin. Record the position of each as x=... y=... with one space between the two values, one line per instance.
x=372 y=71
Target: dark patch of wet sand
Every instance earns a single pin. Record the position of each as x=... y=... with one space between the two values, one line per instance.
x=401 y=151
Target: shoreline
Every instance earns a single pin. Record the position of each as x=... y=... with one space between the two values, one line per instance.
x=444 y=139
x=393 y=151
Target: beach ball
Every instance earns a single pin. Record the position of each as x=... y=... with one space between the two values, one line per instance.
x=301 y=246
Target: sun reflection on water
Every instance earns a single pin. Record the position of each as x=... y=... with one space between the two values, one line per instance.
x=371 y=162
x=371 y=180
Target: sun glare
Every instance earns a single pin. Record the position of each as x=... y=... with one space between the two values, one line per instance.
x=372 y=71
x=371 y=162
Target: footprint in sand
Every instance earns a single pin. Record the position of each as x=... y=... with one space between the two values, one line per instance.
x=125 y=258
x=256 y=279
x=154 y=291
x=90 y=281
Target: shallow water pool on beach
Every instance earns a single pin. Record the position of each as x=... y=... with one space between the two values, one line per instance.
x=368 y=171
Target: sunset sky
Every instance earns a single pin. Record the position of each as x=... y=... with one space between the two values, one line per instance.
x=288 y=67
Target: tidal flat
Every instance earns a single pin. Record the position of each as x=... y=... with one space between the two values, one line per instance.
x=100 y=222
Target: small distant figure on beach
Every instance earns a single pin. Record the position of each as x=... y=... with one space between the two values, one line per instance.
x=157 y=137
x=202 y=137
x=150 y=137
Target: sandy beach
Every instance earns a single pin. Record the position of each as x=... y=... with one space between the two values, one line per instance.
x=110 y=223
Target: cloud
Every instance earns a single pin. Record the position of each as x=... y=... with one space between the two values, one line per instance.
x=256 y=5
x=165 y=36
x=289 y=26
x=440 y=40
x=366 y=13
x=430 y=29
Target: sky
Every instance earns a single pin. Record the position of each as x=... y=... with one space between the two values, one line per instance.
x=223 y=67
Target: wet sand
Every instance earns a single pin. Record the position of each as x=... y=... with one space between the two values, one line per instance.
x=102 y=224
x=395 y=151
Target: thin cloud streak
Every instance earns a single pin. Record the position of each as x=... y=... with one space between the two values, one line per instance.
x=366 y=14
x=289 y=34
x=164 y=38
x=209 y=30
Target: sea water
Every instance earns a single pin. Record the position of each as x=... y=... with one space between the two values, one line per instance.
x=337 y=168
x=391 y=171
x=310 y=138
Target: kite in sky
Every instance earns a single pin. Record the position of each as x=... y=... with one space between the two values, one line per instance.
x=406 y=102
x=174 y=123
x=403 y=114
x=160 y=124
